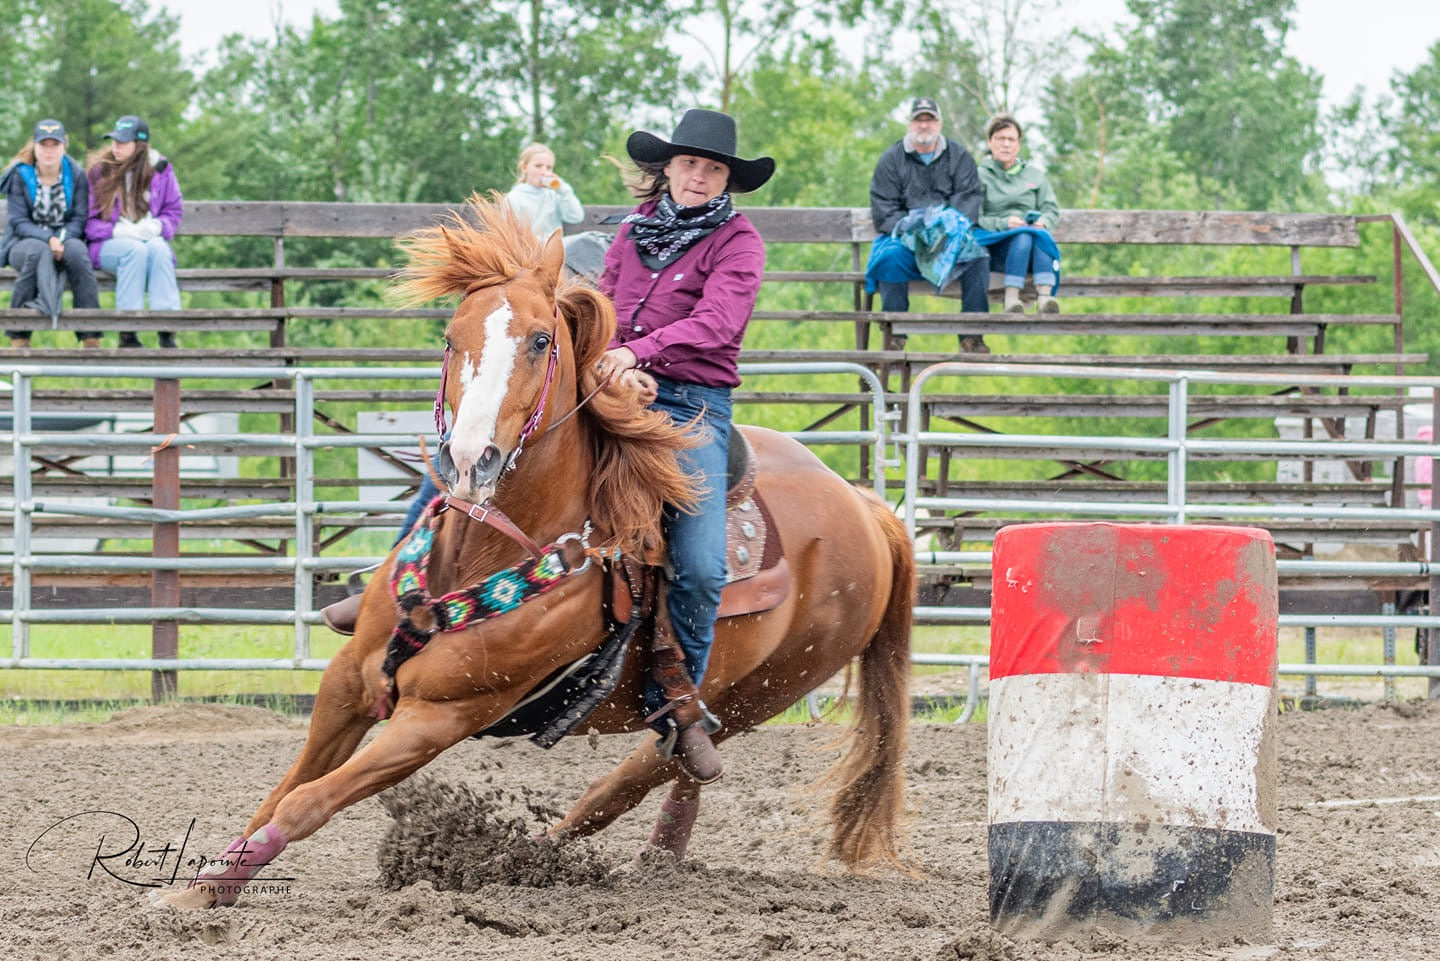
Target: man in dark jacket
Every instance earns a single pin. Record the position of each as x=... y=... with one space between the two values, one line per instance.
x=923 y=169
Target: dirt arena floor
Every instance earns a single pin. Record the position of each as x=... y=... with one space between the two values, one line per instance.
x=1358 y=864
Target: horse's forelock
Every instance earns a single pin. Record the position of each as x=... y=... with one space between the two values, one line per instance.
x=484 y=245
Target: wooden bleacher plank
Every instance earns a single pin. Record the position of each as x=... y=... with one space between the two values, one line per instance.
x=1200 y=406
x=1273 y=285
x=1077 y=226
x=1238 y=492
x=1257 y=363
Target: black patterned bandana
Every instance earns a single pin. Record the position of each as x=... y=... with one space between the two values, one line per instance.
x=672 y=229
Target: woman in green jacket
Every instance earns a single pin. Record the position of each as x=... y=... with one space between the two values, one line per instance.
x=1016 y=217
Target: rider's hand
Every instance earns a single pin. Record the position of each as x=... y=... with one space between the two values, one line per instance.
x=642 y=383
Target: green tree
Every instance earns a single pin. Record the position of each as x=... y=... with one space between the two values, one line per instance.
x=1211 y=84
x=20 y=74
x=1359 y=147
x=824 y=120
x=578 y=76
x=734 y=34
x=383 y=103
x=984 y=56
x=1415 y=124
x=1233 y=96
x=105 y=58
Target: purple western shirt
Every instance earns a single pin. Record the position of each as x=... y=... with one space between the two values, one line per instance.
x=685 y=321
x=166 y=203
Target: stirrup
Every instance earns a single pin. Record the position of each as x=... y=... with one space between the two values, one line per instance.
x=353 y=583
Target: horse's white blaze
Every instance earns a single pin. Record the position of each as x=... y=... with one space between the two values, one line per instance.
x=483 y=384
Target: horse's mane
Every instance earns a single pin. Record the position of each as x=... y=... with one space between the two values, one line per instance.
x=634 y=447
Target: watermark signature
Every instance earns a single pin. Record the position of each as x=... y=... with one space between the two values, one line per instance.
x=108 y=844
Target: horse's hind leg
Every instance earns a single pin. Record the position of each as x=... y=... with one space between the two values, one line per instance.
x=611 y=795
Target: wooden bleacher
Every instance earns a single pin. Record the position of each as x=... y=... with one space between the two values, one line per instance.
x=846 y=229
x=1293 y=340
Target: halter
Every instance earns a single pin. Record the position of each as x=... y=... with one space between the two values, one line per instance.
x=486 y=513
x=536 y=416
x=531 y=425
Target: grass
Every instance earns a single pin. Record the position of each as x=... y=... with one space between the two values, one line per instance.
x=133 y=641
x=52 y=696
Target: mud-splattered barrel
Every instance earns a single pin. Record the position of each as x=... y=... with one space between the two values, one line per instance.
x=1132 y=749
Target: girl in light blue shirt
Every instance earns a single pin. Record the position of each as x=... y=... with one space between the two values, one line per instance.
x=541 y=197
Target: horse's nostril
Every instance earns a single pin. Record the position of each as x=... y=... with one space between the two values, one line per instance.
x=445 y=464
x=488 y=459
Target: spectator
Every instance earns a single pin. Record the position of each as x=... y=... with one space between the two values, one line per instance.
x=547 y=202
x=923 y=169
x=540 y=196
x=135 y=209
x=47 y=198
x=1018 y=214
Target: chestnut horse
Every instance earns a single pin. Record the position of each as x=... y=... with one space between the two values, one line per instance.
x=520 y=373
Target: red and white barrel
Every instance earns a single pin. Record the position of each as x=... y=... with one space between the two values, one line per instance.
x=1131 y=731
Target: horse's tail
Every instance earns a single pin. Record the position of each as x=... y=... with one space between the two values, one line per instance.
x=866 y=814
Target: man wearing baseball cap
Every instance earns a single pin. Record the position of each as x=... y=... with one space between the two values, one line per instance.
x=923 y=169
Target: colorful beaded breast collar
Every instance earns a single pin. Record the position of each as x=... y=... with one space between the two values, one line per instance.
x=498 y=593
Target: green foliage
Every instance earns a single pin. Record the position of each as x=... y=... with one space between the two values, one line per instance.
x=1416 y=125
x=734 y=35
x=821 y=119
x=1208 y=84
x=979 y=57
x=102 y=59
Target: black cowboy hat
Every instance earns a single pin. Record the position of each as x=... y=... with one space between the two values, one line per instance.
x=703 y=133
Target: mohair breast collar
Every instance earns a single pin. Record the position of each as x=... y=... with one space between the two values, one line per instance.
x=499 y=593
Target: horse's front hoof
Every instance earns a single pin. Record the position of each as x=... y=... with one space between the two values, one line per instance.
x=196 y=898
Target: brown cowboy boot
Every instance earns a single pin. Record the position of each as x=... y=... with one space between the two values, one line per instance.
x=341 y=616
x=693 y=746
x=688 y=723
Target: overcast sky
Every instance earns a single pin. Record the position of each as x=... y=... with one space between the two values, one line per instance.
x=1348 y=45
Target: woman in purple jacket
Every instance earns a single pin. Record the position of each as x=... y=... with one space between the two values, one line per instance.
x=684 y=272
x=135 y=209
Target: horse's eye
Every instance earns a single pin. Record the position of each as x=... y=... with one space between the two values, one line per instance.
x=539 y=343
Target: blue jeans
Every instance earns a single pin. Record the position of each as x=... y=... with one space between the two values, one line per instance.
x=140 y=266
x=39 y=282
x=427 y=493
x=696 y=540
x=1017 y=256
x=974 y=296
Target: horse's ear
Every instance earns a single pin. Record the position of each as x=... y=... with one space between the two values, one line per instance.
x=552 y=262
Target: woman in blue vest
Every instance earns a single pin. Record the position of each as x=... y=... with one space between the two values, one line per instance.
x=47 y=198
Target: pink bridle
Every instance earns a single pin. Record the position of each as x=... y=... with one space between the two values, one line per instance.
x=536 y=415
